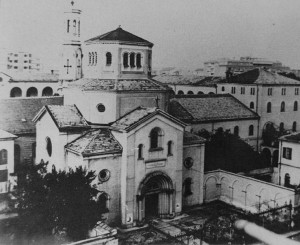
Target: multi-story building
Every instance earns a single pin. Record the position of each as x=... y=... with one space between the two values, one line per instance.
x=19 y=62
x=220 y=67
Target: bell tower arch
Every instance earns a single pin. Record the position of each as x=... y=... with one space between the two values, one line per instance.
x=71 y=55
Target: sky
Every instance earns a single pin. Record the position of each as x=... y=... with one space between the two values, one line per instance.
x=185 y=33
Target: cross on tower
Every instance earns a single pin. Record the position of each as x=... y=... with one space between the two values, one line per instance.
x=67 y=66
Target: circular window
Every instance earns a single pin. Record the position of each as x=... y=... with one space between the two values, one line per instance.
x=101 y=108
x=49 y=146
x=188 y=162
x=104 y=175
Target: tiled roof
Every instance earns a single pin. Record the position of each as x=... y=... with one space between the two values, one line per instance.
x=95 y=142
x=17 y=114
x=294 y=137
x=33 y=77
x=188 y=80
x=67 y=117
x=132 y=117
x=203 y=108
x=261 y=76
x=90 y=84
x=6 y=135
x=122 y=36
x=139 y=114
x=191 y=139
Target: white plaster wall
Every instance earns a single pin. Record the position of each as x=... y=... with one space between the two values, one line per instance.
x=196 y=173
x=245 y=192
x=87 y=102
x=46 y=127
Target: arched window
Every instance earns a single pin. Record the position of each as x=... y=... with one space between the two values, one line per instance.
x=190 y=92
x=223 y=88
x=170 y=148
x=17 y=155
x=125 y=60
x=188 y=187
x=155 y=138
x=294 y=126
x=108 y=58
x=200 y=92
x=296 y=106
x=49 y=146
x=103 y=203
x=282 y=107
x=287 y=180
x=96 y=58
x=252 y=105
x=236 y=131
x=33 y=151
x=140 y=151
x=251 y=130
x=281 y=127
x=269 y=107
x=48 y=91
x=79 y=28
x=3 y=157
x=16 y=92
x=74 y=25
x=180 y=92
x=132 y=60
x=32 y=92
x=90 y=58
x=138 y=60
x=68 y=26
x=93 y=58
x=211 y=93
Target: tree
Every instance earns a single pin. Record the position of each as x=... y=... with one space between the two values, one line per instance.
x=226 y=151
x=57 y=201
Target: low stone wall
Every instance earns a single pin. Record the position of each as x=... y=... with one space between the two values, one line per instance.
x=245 y=192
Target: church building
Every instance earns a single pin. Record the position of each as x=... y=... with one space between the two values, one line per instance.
x=114 y=122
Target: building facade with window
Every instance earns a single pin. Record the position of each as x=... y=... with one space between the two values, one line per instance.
x=146 y=164
x=207 y=113
x=288 y=162
x=272 y=96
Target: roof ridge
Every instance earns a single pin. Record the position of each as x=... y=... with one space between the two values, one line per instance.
x=185 y=109
x=91 y=139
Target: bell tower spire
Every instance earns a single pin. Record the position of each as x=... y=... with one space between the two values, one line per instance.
x=71 y=66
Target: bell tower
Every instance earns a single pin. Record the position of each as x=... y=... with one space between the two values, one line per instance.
x=71 y=55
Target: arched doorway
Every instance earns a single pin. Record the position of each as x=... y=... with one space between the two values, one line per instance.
x=32 y=92
x=16 y=92
x=155 y=196
x=48 y=91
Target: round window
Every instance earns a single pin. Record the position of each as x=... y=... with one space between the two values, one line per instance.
x=101 y=107
x=188 y=162
x=104 y=175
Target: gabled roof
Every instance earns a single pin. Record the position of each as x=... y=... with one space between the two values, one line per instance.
x=192 y=139
x=65 y=117
x=17 y=114
x=139 y=115
x=95 y=142
x=121 y=36
x=294 y=137
x=6 y=135
x=261 y=76
x=91 y=84
x=208 y=108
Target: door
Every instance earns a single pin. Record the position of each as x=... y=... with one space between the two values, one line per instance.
x=151 y=205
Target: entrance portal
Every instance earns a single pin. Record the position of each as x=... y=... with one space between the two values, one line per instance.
x=155 y=196
x=151 y=205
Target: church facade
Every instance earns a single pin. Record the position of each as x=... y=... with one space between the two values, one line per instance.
x=147 y=165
